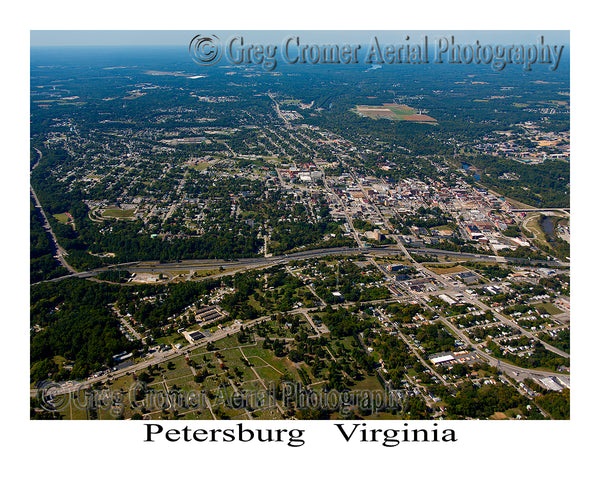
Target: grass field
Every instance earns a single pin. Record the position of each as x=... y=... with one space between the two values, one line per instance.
x=61 y=217
x=200 y=166
x=443 y=228
x=532 y=224
x=118 y=213
x=393 y=111
x=550 y=308
x=172 y=339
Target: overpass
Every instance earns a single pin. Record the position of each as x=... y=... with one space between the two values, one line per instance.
x=262 y=262
x=541 y=210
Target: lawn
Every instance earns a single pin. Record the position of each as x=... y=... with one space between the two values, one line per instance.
x=172 y=339
x=549 y=307
x=61 y=217
x=200 y=166
x=118 y=213
x=369 y=383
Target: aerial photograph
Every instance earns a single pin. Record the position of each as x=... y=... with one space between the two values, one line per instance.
x=299 y=225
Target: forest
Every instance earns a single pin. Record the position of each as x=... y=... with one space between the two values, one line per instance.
x=71 y=320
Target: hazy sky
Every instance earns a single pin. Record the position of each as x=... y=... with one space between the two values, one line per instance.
x=182 y=37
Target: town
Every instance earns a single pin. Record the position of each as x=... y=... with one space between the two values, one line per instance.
x=236 y=238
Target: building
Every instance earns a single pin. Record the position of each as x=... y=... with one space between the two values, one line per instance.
x=473 y=232
x=193 y=337
x=468 y=277
x=448 y=358
x=374 y=235
x=447 y=299
x=441 y=359
x=550 y=384
x=395 y=267
x=209 y=314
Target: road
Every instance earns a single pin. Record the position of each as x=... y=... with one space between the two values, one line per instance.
x=126 y=323
x=260 y=262
x=279 y=114
x=507 y=368
x=155 y=359
x=161 y=357
x=61 y=253
x=450 y=288
x=550 y=209
x=413 y=349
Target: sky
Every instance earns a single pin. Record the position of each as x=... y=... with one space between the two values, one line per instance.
x=179 y=37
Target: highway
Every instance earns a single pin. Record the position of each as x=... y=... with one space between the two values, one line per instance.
x=549 y=209
x=60 y=253
x=450 y=288
x=489 y=258
x=261 y=262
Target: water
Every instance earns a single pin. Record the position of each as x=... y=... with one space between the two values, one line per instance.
x=466 y=167
x=548 y=228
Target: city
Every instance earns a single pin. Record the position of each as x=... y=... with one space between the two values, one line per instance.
x=241 y=232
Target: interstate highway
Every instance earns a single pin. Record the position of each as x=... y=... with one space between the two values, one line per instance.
x=258 y=262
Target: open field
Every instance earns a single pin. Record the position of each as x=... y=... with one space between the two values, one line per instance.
x=61 y=217
x=200 y=166
x=393 y=111
x=118 y=213
x=550 y=308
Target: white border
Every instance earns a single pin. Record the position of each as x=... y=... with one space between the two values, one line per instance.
x=491 y=449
